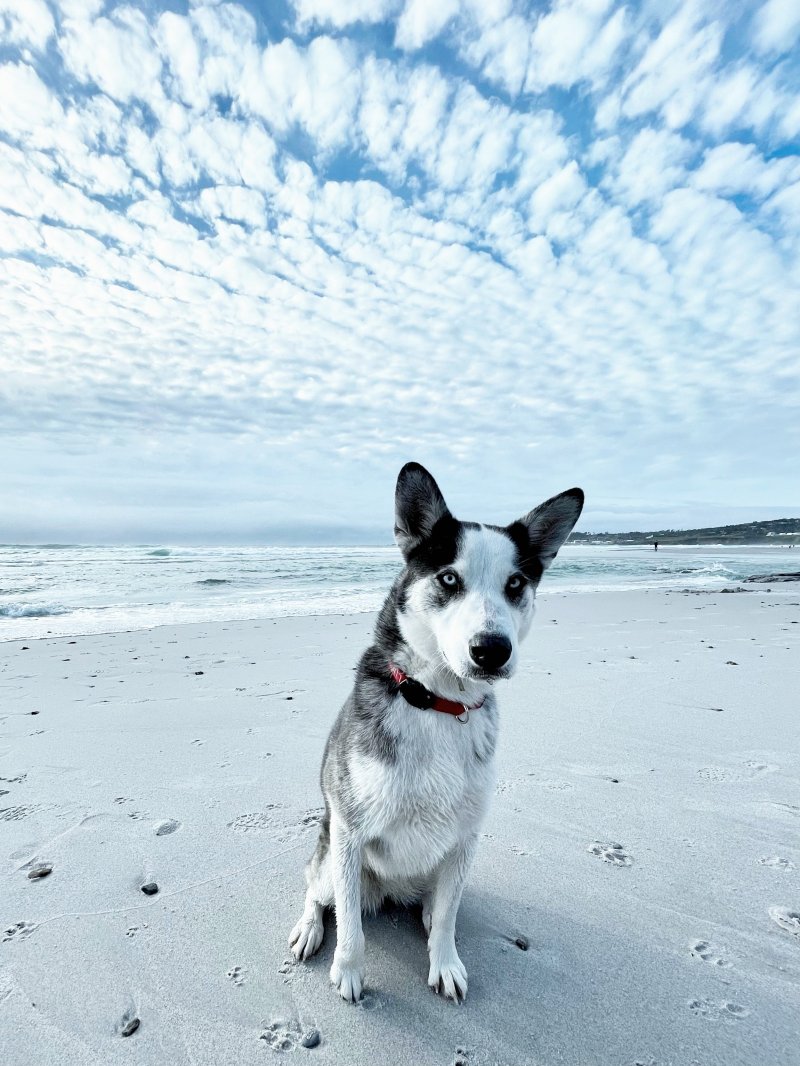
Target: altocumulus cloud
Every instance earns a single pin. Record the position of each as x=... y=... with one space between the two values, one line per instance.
x=254 y=256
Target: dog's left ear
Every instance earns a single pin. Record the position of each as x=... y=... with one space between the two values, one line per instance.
x=550 y=524
x=418 y=506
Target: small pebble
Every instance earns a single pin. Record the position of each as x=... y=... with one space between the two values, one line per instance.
x=44 y=870
x=150 y=888
x=34 y=712
x=311 y=1039
x=130 y=1027
x=197 y=673
x=522 y=943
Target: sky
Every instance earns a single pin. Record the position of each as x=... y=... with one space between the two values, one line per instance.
x=255 y=256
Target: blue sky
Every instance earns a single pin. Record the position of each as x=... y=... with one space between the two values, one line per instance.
x=255 y=256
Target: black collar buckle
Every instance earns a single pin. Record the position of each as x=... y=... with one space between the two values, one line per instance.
x=416 y=694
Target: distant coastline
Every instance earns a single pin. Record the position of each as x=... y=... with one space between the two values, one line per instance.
x=779 y=531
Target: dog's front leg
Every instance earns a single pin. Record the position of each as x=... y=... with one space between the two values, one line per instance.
x=447 y=974
x=347 y=971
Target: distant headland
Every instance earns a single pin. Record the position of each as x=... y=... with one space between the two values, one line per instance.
x=779 y=531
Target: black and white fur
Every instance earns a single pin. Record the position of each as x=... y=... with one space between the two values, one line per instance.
x=406 y=789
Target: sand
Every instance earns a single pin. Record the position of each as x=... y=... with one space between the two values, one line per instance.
x=636 y=896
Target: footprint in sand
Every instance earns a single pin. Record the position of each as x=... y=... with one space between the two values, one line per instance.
x=165 y=828
x=369 y=1002
x=714 y=773
x=248 y=823
x=704 y=1008
x=613 y=853
x=284 y=1036
x=756 y=767
x=777 y=862
x=19 y=931
x=786 y=919
x=236 y=975
x=462 y=1057
x=705 y=951
x=16 y=814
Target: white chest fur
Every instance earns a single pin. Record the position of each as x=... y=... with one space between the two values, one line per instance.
x=416 y=808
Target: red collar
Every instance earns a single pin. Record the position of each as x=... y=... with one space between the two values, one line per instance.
x=417 y=695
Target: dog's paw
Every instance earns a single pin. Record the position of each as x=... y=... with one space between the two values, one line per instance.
x=306 y=937
x=448 y=976
x=348 y=978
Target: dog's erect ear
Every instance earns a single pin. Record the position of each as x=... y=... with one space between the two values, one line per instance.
x=418 y=506
x=551 y=523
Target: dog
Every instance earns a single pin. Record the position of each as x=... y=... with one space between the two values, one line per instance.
x=408 y=766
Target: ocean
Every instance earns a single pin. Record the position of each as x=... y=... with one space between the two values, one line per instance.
x=79 y=589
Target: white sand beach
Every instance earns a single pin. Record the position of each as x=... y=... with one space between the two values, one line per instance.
x=635 y=899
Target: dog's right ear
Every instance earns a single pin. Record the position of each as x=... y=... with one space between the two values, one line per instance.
x=418 y=506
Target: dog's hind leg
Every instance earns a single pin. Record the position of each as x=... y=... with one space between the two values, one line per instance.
x=306 y=937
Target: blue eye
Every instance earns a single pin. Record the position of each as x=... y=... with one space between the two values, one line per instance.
x=515 y=583
x=449 y=579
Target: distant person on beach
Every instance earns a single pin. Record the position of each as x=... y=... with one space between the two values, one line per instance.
x=655 y=545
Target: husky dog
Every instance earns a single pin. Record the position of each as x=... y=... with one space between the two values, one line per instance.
x=408 y=766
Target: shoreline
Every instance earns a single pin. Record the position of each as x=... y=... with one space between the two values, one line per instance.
x=757 y=585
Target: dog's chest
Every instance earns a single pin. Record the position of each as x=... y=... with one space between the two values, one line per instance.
x=416 y=807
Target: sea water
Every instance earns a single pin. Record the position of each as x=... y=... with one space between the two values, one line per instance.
x=72 y=589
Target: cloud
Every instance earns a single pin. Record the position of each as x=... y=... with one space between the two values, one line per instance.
x=575 y=41
x=777 y=26
x=26 y=104
x=270 y=260
x=26 y=22
x=116 y=54
x=421 y=21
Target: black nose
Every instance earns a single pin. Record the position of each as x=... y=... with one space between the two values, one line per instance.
x=490 y=651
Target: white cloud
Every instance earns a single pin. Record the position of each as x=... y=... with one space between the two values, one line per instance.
x=340 y=14
x=576 y=40
x=501 y=51
x=561 y=192
x=672 y=75
x=27 y=22
x=233 y=202
x=777 y=26
x=734 y=168
x=26 y=104
x=116 y=54
x=421 y=21
x=654 y=162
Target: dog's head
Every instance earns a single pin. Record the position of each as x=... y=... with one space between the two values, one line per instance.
x=468 y=590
